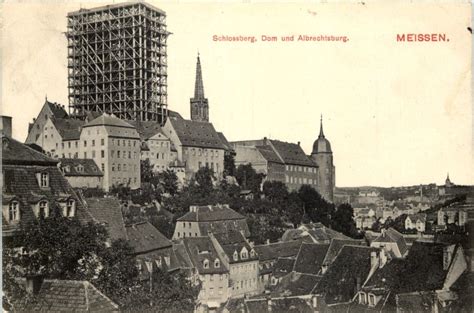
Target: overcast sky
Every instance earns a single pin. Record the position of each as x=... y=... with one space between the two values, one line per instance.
x=395 y=113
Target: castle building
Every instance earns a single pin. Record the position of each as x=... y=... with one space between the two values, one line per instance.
x=322 y=156
x=199 y=103
x=117 y=61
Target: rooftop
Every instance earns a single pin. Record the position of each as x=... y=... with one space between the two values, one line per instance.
x=210 y=213
x=108 y=212
x=79 y=167
x=196 y=134
x=144 y=237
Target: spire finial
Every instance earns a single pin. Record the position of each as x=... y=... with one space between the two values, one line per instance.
x=321 y=132
x=46 y=97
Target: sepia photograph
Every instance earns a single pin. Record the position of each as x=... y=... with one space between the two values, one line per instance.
x=237 y=157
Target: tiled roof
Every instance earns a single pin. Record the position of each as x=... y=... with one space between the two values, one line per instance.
x=79 y=167
x=210 y=213
x=336 y=245
x=350 y=268
x=174 y=114
x=279 y=305
x=108 y=120
x=273 y=251
x=424 y=267
x=296 y=284
x=233 y=241
x=57 y=110
x=14 y=152
x=224 y=226
x=292 y=153
x=144 y=237
x=200 y=249
x=283 y=267
x=108 y=212
x=391 y=235
x=196 y=134
x=146 y=129
x=310 y=258
x=224 y=141
x=268 y=154
x=416 y=217
x=318 y=232
x=68 y=128
x=20 y=184
x=70 y=295
x=388 y=277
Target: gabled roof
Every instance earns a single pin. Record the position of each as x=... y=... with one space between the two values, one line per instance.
x=283 y=267
x=174 y=114
x=275 y=250
x=296 y=284
x=278 y=305
x=65 y=295
x=391 y=235
x=292 y=153
x=318 y=232
x=108 y=120
x=146 y=129
x=350 y=268
x=144 y=237
x=14 y=152
x=200 y=249
x=71 y=167
x=224 y=141
x=108 y=211
x=57 y=110
x=269 y=154
x=68 y=128
x=336 y=245
x=196 y=134
x=233 y=241
x=310 y=258
x=416 y=217
x=210 y=213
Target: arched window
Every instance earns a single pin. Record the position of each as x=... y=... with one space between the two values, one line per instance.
x=362 y=298
x=43 y=209
x=205 y=263
x=217 y=263
x=243 y=254
x=14 y=211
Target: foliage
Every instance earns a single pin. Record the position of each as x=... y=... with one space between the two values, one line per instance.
x=121 y=191
x=398 y=223
x=248 y=178
x=316 y=208
x=229 y=164
x=275 y=191
x=168 y=182
x=343 y=220
x=146 y=171
x=202 y=180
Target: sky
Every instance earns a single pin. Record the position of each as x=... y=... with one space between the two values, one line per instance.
x=396 y=113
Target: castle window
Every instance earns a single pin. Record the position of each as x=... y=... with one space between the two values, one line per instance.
x=243 y=254
x=371 y=300
x=362 y=298
x=205 y=263
x=85 y=143
x=43 y=180
x=93 y=142
x=43 y=209
x=14 y=211
x=217 y=263
x=102 y=142
x=236 y=256
x=252 y=253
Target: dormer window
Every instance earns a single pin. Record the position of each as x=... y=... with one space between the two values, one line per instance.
x=80 y=168
x=244 y=254
x=217 y=263
x=205 y=263
x=13 y=211
x=236 y=256
x=43 y=179
x=362 y=298
x=43 y=209
x=371 y=299
x=70 y=208
x=252 y=253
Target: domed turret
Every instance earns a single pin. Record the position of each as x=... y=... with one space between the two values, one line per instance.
x=321 y=145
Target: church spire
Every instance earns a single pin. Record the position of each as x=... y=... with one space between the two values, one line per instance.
x=321 y=132
x=199 y=86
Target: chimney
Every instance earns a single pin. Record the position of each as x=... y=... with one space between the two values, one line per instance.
x=299 y=143
x=373 y=259
x=6 y=125
x=314 y=302
x=33 y=284
x=267 y=241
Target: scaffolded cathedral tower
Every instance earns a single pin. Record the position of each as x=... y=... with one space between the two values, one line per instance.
x=117 y=61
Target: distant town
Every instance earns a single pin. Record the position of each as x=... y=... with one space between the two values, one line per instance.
x=116 y=203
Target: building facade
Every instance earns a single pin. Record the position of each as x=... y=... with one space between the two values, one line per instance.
x=81 y=173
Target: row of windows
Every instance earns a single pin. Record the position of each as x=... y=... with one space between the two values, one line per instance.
x=124 y=142
x=158 y=143
x=184 y=234
x=300 y=180
x=211 y=291
x=124 y=180
x=123 y=168
x=102 y=143
x=245 y=283
x=216 y=168
x=123 y=154
x=217 y=264
x=305 y=169
x=243 y=268
x=201 y=151
x=13 y=214
x=367 y=298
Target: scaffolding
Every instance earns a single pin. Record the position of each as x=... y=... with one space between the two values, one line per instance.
x=117 y=61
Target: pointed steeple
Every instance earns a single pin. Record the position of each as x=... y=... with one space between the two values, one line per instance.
x=199 y=86
x=321 y=132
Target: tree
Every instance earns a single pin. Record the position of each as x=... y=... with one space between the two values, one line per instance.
x=229 y=164
x=146 y=171
x=62 y=248
x=316 y=208
x=343 y=220
x=168 y=182
x=248 y=178
x=275 y=191
x=203 y=180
